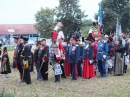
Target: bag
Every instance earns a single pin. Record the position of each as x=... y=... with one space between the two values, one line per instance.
x=57 y=70
x=126 y=60
x=109 y=63
x=91 y=62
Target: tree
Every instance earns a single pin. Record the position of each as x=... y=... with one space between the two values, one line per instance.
x=113 y=9
x=69 y=13
x=45 y=21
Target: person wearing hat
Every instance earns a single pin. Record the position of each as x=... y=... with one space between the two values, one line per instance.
x=56 y=51
x=17 y=60
x=126 y=55
x=43 y=58
x=66 y=63
x=14 y=65
x=74 y=55
x=5 y=64
x=61 y=42
x=26 y=60
x=111 y=54
x=55 y=34
x=88 y=67
x=102 y=51
x=35 y=59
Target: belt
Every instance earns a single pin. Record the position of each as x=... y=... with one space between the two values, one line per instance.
x=23 y=56
x=100 y=52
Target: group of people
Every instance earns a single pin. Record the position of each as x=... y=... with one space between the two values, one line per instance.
x=75 y=57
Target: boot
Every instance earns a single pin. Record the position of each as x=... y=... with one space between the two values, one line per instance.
x=110 y=70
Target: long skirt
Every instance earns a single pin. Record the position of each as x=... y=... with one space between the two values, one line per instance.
x=5 y=68
x=118 y=64
x=88 y=70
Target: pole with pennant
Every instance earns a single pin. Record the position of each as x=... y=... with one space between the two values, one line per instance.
x=99 y=18
x=117 y=30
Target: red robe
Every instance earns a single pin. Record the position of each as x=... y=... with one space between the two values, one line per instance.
x=88 y=70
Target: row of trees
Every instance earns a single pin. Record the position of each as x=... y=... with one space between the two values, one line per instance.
x=68 y=12
x=113 y=9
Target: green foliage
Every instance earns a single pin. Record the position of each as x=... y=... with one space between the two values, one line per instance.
x=69 y=13
x=87 y=24
x=113 y=9
x=45 y=21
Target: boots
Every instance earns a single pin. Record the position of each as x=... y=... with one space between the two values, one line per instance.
x=57 y=78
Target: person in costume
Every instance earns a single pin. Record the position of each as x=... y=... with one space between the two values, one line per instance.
x=14 y=65
x=74 y=55
x=80 y=61
x=35 y=60
x=111 y=51
x=56 y=51
x=54 y=33
x=126 y=55
x=19 y=48
x=102 y=51
x=63 y=75
x=31 y=64
x=0 y=54
x=5 y=64
x=88 y=67
x=26 y=61
x=119 y=61
x=66 y=63
x=43 y=58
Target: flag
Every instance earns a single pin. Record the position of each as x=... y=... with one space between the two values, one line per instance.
x=99 y=18
x=120 y=30
x=117 y=30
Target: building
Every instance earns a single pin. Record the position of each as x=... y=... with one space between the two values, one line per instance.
x=7 y=31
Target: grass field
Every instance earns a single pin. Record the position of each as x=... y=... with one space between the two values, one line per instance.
x=111 y=86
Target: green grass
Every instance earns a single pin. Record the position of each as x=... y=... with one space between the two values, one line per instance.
x=10 y=48
x=111 y=86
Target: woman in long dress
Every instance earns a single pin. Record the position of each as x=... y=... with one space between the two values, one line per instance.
x=119 y=62
x=5 y=64
x=88 y=69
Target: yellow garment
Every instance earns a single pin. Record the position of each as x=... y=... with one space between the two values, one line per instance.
x=27 y=65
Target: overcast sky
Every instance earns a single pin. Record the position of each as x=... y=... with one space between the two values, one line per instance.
x=22 y=11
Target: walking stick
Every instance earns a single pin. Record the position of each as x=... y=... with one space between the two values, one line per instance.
x=40 y=69
x=49 y=70
x=23 y=73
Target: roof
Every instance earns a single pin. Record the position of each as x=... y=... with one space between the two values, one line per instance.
x=17 y=29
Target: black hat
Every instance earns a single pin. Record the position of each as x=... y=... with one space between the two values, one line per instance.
x=25 y=38
x=110 y=38
x=82 y=39
x=20 y=36
x=15 y=37
x=88 y=39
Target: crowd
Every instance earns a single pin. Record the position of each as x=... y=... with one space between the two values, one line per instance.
x=75 y=57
